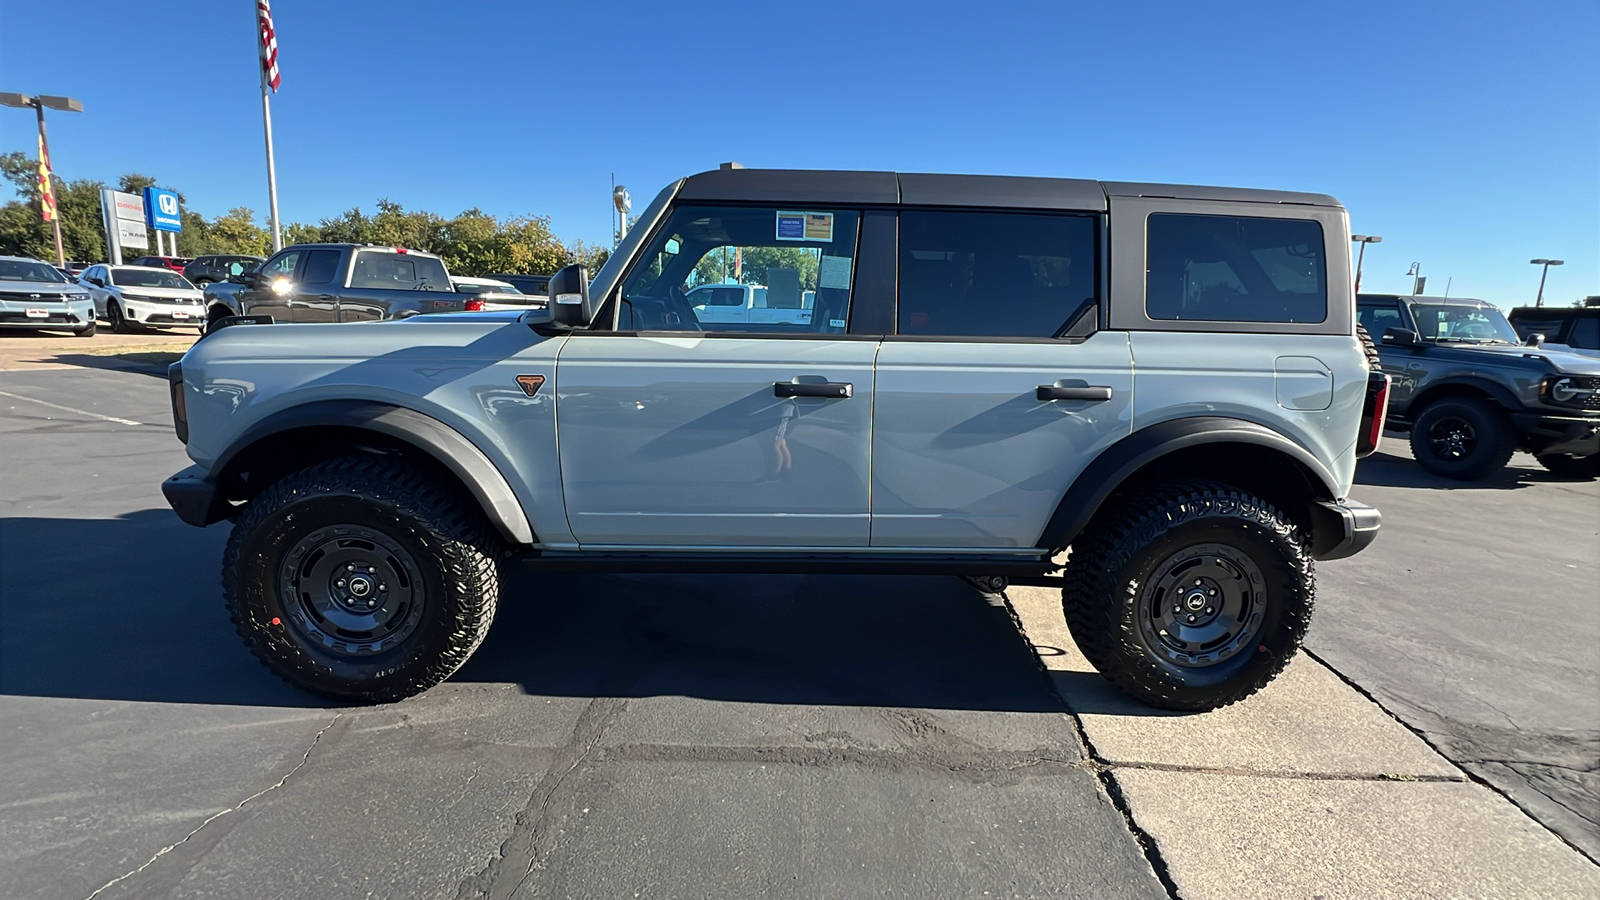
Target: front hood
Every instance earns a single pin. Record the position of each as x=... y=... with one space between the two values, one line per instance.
x=134 y=293
x=447 y=338
x=1564 y=361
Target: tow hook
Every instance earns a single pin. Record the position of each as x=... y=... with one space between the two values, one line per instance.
x=988 y=584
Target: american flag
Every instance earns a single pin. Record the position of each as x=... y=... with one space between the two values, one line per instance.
x=269 y=45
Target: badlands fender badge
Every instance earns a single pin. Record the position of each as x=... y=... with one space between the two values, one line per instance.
x=530 y=383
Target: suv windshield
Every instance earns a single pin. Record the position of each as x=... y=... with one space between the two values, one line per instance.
x=148 y=278
x=1475 y=324
x=17 y=270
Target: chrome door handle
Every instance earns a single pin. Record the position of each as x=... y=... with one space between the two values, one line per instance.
x=1094 y=392
x=837 y=390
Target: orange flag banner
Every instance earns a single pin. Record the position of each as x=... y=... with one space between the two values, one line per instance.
x=47 y=191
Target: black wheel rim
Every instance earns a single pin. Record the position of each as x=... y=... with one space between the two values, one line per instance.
x=1452 y=437
x=351 y=590
x=1202 y=606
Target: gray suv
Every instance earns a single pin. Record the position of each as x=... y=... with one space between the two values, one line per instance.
x=1161 y=385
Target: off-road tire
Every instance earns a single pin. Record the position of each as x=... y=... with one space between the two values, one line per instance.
x=1115 y=568
x=1569 y=466
x=1374 y=363
x=431 y=521
x=1492 y=439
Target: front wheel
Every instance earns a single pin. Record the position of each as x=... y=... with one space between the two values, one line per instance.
x=119 y=323
x=1189 y=595
x=1462 y=438
x=85 y=331
x=362 y=579
x=1569 y=466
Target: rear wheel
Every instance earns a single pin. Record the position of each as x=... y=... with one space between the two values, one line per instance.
x=1568 y=466
x=1462 y=438
x=1189 y=595
x=362 y=579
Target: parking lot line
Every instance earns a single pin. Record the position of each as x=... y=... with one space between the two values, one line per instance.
x=81 y=412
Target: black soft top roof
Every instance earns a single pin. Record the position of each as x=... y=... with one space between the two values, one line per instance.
x=822 y=187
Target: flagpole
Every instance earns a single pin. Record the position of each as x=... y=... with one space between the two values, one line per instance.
x=272 y=172
x=268 y=53
x=44 y=152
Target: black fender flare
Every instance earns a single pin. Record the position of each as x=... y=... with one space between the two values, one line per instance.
x=1116 y=463
x=444 y=444
x=1505 y=398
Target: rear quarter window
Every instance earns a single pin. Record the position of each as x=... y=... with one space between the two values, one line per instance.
x=399 y=272
x=1235 y=269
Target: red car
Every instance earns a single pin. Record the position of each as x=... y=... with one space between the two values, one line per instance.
x=175 y=263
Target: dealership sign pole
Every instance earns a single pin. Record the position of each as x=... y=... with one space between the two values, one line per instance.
x=269 y=86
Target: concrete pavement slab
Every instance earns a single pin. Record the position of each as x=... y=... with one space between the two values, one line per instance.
x=1307 y=721
x=748 y=829
x=1235 y=838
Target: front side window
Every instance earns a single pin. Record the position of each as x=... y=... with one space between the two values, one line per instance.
x=282 y=266
x=744 y=269
x=1235 y=269
x=995 y=274
x=1377 y=319
x=398 y=272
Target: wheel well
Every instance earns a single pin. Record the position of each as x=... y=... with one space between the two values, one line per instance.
x=1273 y=476
x=1457 y=390
x=253 y=469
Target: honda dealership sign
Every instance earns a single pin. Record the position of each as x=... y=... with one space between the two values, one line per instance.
x=125 y=223
x=161 y=209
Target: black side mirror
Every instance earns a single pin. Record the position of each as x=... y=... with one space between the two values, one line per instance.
x=1400 y=337
x=1534 y=340
x=569 y=297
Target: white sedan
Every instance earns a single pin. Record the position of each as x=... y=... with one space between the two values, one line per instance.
x=130 y=296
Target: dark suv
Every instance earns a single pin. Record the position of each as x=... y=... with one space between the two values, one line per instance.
x=1471 y=392
x=1576 y=328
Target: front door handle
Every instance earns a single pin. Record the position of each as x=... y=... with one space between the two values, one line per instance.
x=324 y=296
x=1094 y=392
x=837 y=390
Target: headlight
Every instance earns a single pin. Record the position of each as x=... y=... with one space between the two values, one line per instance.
x=77 y=298
x=1570 y=390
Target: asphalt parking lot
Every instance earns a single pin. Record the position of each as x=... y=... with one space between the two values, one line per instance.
x=791 y=737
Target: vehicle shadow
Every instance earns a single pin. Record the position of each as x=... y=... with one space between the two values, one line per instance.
x=1390 y=469
x=130 y=609
x=144 y=362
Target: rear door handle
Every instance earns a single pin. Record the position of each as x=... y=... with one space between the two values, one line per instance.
x=838 y=390
x=1094 y=392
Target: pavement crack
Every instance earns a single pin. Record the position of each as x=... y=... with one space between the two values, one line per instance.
x=531 y=841
x=1475 y=778
x=315 y=741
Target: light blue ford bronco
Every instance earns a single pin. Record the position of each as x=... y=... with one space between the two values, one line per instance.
x=1151 y=396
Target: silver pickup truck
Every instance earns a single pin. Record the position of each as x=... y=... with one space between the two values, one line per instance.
x=1151 y=396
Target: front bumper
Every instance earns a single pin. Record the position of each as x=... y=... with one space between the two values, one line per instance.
x=1342 y=528
x=195 y=498
x=1573 y=435
x=157 y=313
x=56 y=315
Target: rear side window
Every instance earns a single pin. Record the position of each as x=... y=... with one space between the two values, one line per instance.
x=398 y=272
x=1235 y=269
x=994 y=274
x=322 y=266
x=1585 y=333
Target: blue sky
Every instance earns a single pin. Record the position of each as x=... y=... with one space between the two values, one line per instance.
x=1467 y=134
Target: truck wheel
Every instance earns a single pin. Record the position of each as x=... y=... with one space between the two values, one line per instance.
x=1568 y=466
x=362 y=579
x=1462 y=438
x=1189 y=595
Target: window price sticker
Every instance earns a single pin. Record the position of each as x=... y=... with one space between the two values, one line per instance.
x=794 y=225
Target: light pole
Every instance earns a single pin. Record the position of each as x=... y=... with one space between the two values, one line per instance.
x=1547 y=263
x=1417 y=280
x=67 y=104
x=1363 y=240
x=623 y=201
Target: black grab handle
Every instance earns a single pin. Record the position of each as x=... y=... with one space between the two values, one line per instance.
x=835 y=389
x=1094 y=392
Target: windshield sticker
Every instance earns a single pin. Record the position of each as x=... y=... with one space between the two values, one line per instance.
x=794 y=225
x=834 y=272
